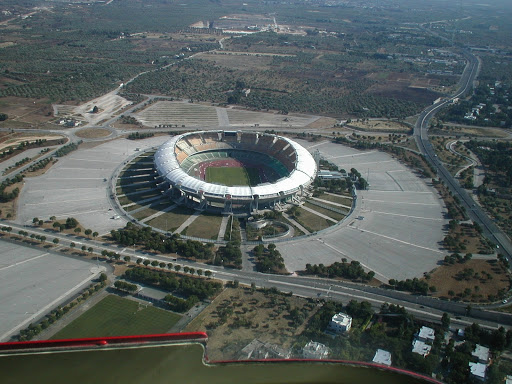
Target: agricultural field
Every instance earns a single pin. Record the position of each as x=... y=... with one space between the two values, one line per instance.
x=116 y=316
x=178 y=114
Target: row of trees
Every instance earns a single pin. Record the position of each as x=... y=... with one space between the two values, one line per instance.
x=140 y=136
x=10 y=196
x=151 y=240
x=34 y=329
x=124 y=286
x=175 y=283
x=352 y=270
x=67 y=149
x=268 y=259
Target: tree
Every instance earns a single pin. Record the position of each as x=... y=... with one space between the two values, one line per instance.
x=127 y=259
x=169 y=265
x=162 y=264
x=78 y=230
x=146 y=262
x=207 y=273
x=95 y=234
x=200 y=272
x=87 y=232
x=55 y=241
x=72 y=245
x=90 y=249
x=3 y=116
x=103 y=277
x=154 y=263
x=445 y=321
x=139 y=260
x=84 y=248
x=177 y=268
x=95 y=109
x=52 y=218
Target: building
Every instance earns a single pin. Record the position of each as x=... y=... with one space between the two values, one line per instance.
x=181 y=161
x=481 y=354
x=477 y=370
x=340 y=323
x=259 y=350
x=420 y=347
x=314 y=350
x=426 y=334
x=382 y=357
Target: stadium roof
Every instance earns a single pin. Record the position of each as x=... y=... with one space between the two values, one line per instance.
x=168 y=166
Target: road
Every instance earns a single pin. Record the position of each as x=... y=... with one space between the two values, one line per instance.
x=424 y=307
x=474 y=211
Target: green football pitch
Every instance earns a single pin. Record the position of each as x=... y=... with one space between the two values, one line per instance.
x=115 y=316
x=233 y=176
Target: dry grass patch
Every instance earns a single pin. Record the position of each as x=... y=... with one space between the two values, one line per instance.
x=93 y=133
x=475 y=280
x=239 y=315
x=312 y=222
x=205 y=226
x=338 y=199
x=379 y=125
x=170 y=221
x=9 y=209
x=333 y=215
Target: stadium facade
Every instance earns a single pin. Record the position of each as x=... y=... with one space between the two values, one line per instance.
x=179 y=160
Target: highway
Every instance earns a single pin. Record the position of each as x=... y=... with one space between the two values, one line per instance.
x=423 y=307
x=474 y=211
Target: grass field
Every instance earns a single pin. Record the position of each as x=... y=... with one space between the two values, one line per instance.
x=115 y=316
x=232 y=176
x=312 y=222
x=170 y=221
x=205 y=226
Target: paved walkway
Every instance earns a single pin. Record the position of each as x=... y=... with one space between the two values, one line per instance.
x=222 y=116
x=331 y=203
x=319 y=214
x=333 y=194
x=138 y=192
x=288 y=217
x=143 y=201
x=170 y=208
x=187 y=222
x=222 y=229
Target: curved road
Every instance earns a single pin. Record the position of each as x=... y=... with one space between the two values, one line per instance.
x=474 y=211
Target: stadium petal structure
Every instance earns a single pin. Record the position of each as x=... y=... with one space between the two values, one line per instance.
x=284 y=170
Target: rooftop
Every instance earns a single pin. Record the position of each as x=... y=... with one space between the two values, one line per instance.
x=481 y=353
x=341 y=318
x=315 y=350
x=478 y=369
x=382 y=357
x=426 y=333
x=420 y=348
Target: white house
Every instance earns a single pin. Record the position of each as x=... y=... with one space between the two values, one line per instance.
x=382 y=357
x=481 y=354
x=426 y=334
x=420 y=347
x=314 y=350
x=478 y=370
x=340 y=323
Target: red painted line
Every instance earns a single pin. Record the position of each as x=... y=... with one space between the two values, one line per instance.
x=342 y=362
x=98 y=341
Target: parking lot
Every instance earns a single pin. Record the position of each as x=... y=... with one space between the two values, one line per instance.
x=33 y=282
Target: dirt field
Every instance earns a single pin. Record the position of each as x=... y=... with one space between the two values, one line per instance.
x=9 y=209
x=25 y=110
x=93 y=133
x=474 y=131
x=247 y=62
x=237 y=316
x=16 y=138
x=481 y=277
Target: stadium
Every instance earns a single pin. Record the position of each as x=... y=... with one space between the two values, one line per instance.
x=234 y=171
